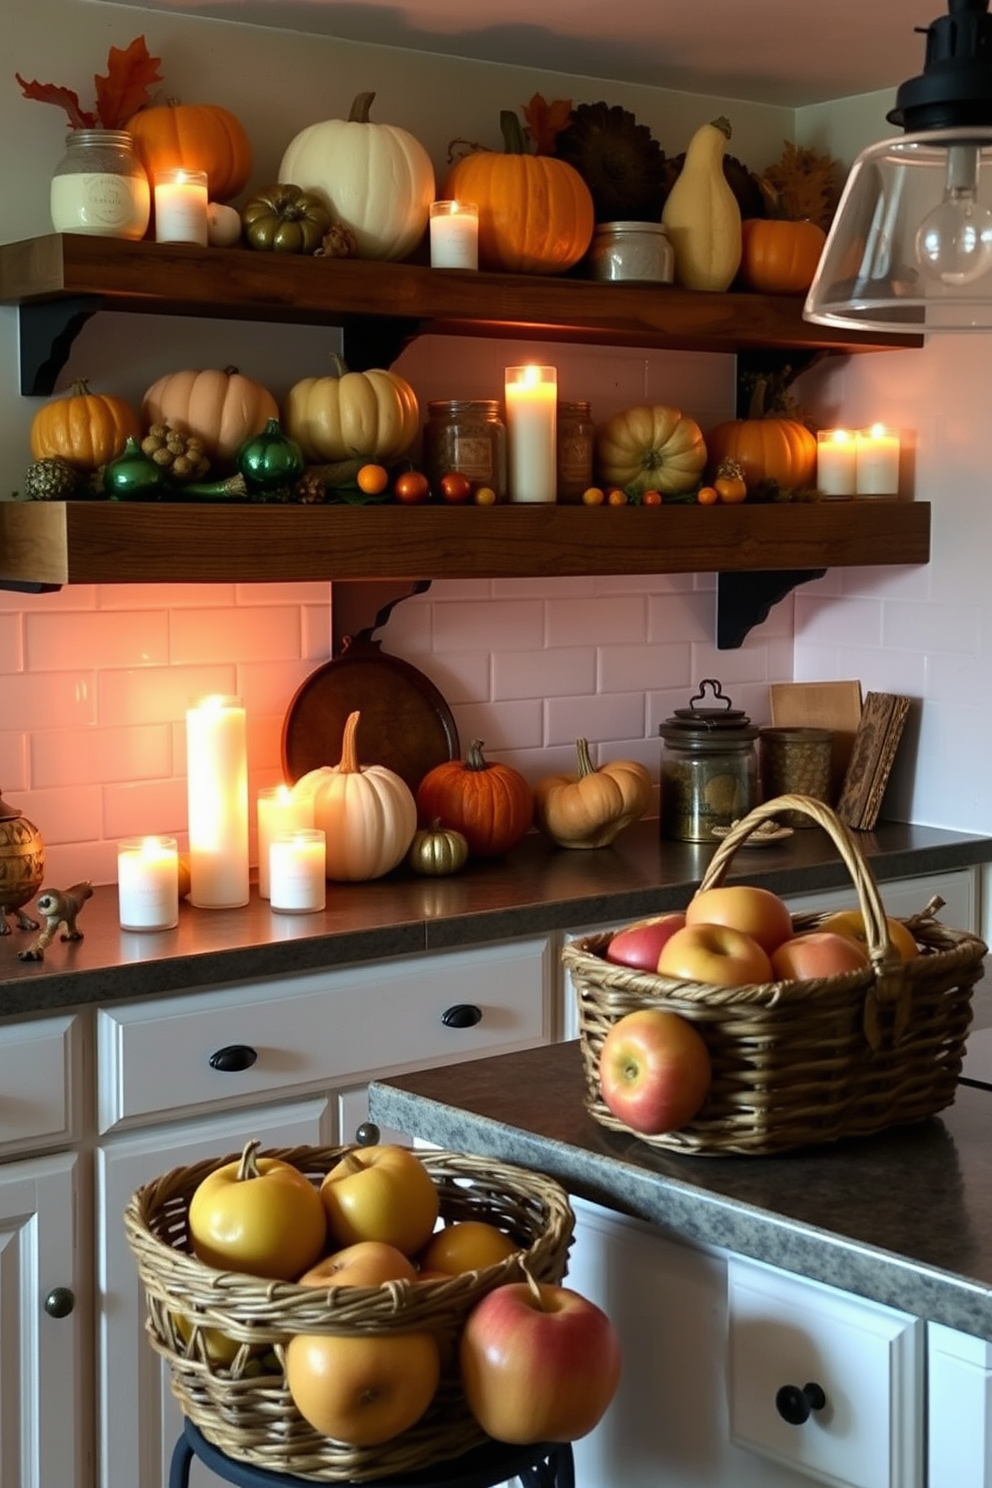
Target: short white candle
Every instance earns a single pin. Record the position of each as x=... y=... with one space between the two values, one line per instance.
x=454 y=228
x=181 y=206
x=148 y=883
x=279 y=810
x=836 y=459
x=532 y=432
x=877 y=462
x=217 y=793
x=298 y=871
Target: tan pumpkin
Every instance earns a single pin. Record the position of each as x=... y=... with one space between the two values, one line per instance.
x=652 y=447
x=223 y=408
x=194 y=136
x=376 y=179
x=591 y=807
x=366 y=812
x=84 y=429
x=372 y=415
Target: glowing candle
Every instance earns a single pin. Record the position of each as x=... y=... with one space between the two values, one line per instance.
x=181 y=206
x=148 y=883
x=878 y=462
x=454 y=235
x=298 y=871
x=278 y=811
x=836 y=457
x=532 y=435
x=217 y=791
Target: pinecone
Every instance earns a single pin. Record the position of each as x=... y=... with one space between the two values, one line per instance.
x=310 y=489
x=620 y=161
x=50 y=480
x=338 y=242
x=181 y=454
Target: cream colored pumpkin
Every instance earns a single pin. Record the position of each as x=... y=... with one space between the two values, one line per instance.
x=591 y=807
x=374 y=415
x=366 y=812
x=652 y=447
x=702 y=216
x=377 y=179
x=223 y=408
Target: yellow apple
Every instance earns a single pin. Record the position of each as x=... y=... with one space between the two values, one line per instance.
x=367 y=1263
x=381 y=1193
x=757 y=912
x=717 y=954
x=466 y=1245
x=851 y=922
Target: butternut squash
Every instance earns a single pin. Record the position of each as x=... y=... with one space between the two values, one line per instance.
x=702 y=215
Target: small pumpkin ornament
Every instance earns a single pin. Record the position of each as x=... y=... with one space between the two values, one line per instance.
x=222 y=408
x=270 y=461
x=652 y=447
x=367 y=812
x=779 y=257
x=766 y=447
x=591 y=807
x=536 y=213
x=84 y=429
x=375 y=179
x=285 y=219
x=701 y=214
x=491 y=804
x=437 y=851
x=194 y=136
x=373 y=415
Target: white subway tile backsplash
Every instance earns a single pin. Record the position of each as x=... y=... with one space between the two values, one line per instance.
x=159 y=694
x=542 y=674
x=128 y=639
x=240 y=634
x=614 y=716
x=461 y=676
x=504 y=729
x=96 y=756
x=146 y=808
x=515 y=623
x=595 y=620
x=14 y=773
x=11 y=644
x=49 y=700
x=642 y=666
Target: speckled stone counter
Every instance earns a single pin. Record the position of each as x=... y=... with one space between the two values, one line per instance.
x=904 y=1217
x=533 y=890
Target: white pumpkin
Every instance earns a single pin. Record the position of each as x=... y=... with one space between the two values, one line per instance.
x=377 y=179
x=367 y=813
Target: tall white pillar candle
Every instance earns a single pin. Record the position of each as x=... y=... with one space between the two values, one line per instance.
x=531 y=395
x=298 y=871
x=836 y=461
x=877 y=462
x=148 y=883
x=454 y=232
x=181 y=206
x=278 y=811
x=217 y=792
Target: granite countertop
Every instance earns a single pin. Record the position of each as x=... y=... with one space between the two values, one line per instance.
x=535 y=889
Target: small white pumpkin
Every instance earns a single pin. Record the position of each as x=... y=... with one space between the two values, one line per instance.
x=377 y=179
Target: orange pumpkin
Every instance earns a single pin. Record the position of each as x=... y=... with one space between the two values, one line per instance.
x=780 y=257
x=767 y=449
x=194 y=136
x=535 y=212
x=85 y=429
x=223 y=408
x=492 y=805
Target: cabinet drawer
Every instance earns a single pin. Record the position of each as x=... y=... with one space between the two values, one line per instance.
x=786 y=1331
x=39 y=1083
x=319 y=1029
x=959 y=1409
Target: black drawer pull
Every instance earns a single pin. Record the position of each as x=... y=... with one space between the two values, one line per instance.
x=794 y=1404
x=233 y=1058
x=60 y=1302
x=462 y=1015
x=368 y=1134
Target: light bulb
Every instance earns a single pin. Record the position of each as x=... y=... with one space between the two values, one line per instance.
x=954 y=241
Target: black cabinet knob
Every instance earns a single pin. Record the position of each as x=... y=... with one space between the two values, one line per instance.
x=462 y=1015
x=795 y=1405
x=368 y=1134
x=233 y=1058
x=60 y=1302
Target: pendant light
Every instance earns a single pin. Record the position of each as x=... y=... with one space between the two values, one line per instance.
x=910 y=248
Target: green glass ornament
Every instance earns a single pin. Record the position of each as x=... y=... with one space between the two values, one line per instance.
x=271 y=459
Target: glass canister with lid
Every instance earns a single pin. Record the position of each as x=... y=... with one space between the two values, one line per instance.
x=467 y=436
x=709 y=766
x=100 y=186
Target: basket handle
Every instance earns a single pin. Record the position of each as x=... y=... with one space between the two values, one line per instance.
x=890 y=984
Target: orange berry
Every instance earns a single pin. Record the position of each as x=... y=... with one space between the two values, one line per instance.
x=594 y=496
x=707 y=496
x=372 y=479
x=485 y=496
x=616 y=497
x=651 y=498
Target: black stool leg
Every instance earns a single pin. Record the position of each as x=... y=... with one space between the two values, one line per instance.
x=182 y=1456
x=556 y=1471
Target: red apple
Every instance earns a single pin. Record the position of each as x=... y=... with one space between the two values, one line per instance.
x=817 y=953
x=717 y=954
x=758 y=912
x=639 y=945
x=654 y=1071
x=538 y=1363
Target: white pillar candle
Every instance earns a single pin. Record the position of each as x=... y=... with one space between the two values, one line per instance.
x=279 y=810
x=877 y=462
x=298 y=871
x=454 y=228
x=181 y=206
x=836 y=462
x=531 y=432
x=217 y=792
x=148 y=883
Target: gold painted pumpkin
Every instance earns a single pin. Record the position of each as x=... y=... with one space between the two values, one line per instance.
x=194 y=136
x=223 y=408
x=437 y=851
x=84 y=429
x=591 y=807
x=779 y=257
x=371 y=415
x=652 y=447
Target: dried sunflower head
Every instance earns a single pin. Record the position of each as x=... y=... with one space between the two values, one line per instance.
x=620 y=161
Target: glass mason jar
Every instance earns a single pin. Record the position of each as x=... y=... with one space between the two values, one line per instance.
x=636 y=251
x=467 y=436
x=709 y=768
x=100 y=186
x=575 y=450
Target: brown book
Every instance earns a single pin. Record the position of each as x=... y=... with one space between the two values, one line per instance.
x=883 y=719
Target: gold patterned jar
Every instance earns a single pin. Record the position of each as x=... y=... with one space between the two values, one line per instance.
x=575 y=451
x=22 y=865
x=796 y=761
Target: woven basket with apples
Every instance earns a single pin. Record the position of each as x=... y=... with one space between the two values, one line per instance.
x=736 y=1027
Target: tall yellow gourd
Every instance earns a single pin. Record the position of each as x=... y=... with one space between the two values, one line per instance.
x=702 y=215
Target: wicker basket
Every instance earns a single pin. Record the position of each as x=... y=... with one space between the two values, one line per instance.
x=248 y=1413
x=801 y=1062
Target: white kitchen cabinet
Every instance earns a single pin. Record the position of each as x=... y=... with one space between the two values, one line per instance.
x=960 y=889
x=959 y=1409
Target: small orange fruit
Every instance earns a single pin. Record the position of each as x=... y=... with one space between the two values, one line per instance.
x=707 y=496
x=651 y=498
x=485 y=496
x=593 y=496
x=372 y=479
x=616 y=497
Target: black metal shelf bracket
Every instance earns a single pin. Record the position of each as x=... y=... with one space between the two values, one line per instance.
x=47 y=329
x=744 y=599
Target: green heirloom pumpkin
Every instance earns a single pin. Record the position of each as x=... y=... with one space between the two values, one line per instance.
x=285 y=219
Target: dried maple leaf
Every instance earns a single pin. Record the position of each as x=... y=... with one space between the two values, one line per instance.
x=545 y=121
x=119 y=95
x=62 y=98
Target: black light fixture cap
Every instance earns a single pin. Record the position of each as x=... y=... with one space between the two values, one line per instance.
x=954 y=91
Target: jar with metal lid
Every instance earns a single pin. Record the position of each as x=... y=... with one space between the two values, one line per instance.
x=709 y=767
x=637 y=251
x=466 y=435
x=575 y=450
x=100 y=186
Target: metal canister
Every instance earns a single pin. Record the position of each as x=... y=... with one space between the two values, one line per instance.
x=709 y=766
x=796 y=761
